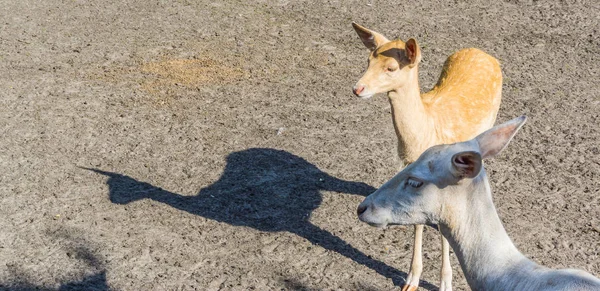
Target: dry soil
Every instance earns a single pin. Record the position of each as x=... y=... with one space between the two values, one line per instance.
x=200 y=145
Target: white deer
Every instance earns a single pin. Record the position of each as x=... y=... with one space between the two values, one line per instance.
x=448 y=186
x=463 y=104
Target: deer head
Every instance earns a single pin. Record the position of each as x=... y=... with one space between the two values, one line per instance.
x=438 y=183
x=391 y=63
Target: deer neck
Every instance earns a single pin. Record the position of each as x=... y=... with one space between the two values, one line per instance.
x=488 y=257
x=412 y=122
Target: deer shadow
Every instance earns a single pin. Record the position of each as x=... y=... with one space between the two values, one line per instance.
x=265 y=189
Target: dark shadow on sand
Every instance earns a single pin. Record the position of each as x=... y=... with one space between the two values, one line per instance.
x=266 y=189
x=19 y=281
x=95 y=282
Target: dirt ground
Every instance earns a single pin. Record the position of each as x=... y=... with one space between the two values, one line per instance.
x=200 y=145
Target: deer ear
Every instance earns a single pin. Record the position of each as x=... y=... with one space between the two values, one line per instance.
x=413 y=52
x=466 y=164
x=370 y=38
x=495 y=139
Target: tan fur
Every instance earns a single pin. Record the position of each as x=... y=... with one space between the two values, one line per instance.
x=466 y=98
x=463 y=103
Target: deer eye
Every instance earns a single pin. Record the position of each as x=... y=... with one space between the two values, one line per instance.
x=414 y=182
x=391 y=69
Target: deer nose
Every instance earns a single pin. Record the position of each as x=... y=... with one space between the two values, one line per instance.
x=361 y=209
x=358 y=89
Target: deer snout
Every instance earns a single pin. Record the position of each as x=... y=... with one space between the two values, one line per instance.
x=368 y=213
x=361 y=209
x=357 y=89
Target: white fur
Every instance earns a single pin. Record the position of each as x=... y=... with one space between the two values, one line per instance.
x=465 y=213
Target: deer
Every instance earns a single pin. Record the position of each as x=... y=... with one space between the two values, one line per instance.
x=463 y=104
x=448 y=186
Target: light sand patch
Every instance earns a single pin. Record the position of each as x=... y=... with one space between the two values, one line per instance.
x=190 y=73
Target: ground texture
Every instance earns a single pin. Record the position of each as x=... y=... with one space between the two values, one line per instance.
x=200 y=145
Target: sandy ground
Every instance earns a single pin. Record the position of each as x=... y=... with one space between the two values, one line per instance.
x=199 y=145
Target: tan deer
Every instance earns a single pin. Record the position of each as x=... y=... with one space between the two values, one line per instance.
x=463 y=104
x=448 y=186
